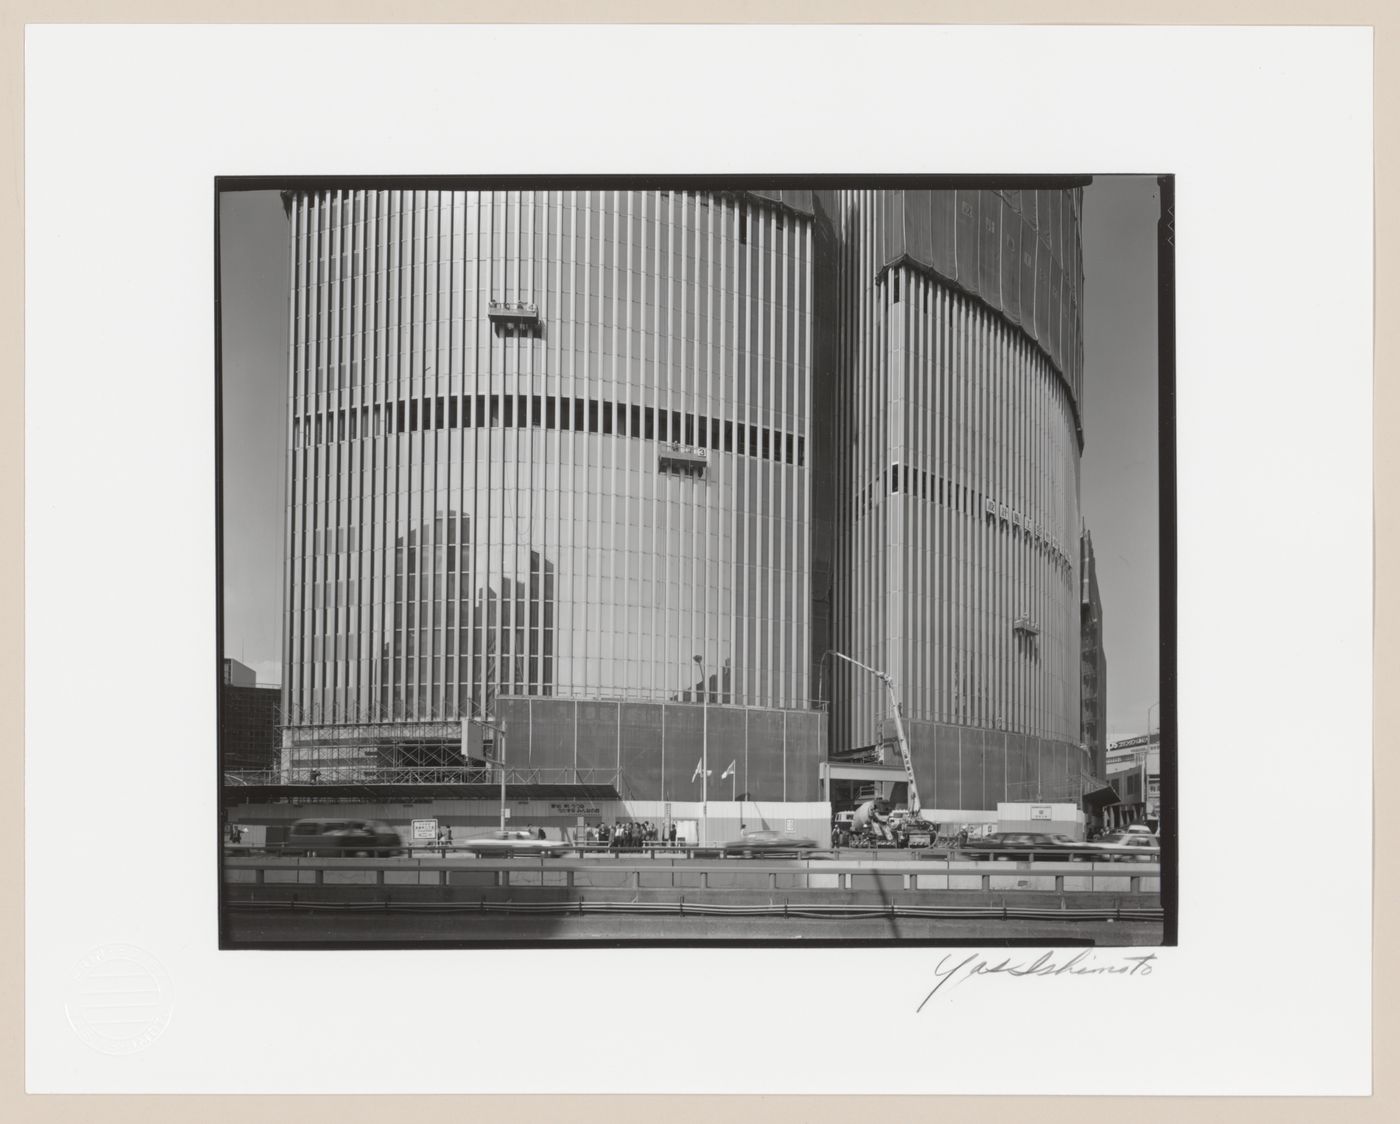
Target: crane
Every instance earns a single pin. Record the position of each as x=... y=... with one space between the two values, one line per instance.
x=915 y=806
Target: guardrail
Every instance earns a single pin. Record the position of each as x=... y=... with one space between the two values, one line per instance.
x=1087 y=853
x=810 y=910
x=829 y=874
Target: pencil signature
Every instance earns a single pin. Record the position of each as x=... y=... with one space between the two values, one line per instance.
x=1084 y=963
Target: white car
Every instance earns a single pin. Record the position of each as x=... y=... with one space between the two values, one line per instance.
x=1140 y=846
x=509 y=843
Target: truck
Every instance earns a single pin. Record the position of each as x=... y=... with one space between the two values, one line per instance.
x=875 y=821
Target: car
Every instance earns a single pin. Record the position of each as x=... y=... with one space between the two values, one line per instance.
x=1129 y=846
x=1027 y=845
x=767 y=843
x=511 y=843
x=318 y=836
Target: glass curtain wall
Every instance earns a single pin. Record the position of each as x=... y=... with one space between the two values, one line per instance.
x=956 y=442
x=545 y=443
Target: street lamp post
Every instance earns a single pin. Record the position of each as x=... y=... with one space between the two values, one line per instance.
x=498 y=753
x=501 y=734
x=704 y=752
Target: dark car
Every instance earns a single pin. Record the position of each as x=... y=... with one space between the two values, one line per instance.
x=342 y=837
x=768 y=843
x=1024 y=845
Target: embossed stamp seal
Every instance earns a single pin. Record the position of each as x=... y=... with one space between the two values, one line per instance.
x=120 y=999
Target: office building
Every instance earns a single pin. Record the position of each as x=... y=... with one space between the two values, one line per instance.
x=1093 y=666
x=250 y=735
x=615 y=469
x=549 y=464
x=950 y=359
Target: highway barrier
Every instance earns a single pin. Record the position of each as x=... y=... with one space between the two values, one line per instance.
x=1003 y=911
x=825 y=888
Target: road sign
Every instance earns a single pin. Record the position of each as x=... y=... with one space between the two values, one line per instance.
x=505 y=812
x=425 y=829
x=789 y=827
x=471 y=739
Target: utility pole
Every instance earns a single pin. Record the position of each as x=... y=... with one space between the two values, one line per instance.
x=498 y=753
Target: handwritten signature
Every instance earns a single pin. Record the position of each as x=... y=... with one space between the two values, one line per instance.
x=1081 y=964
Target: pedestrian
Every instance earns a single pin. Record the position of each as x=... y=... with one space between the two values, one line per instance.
x=673 y=833
x=541 y=835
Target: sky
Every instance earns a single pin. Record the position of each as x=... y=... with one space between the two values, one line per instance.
x=1119 y=473
x=254 y=260
x=1118 y=482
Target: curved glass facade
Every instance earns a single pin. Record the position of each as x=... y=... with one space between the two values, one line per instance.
x=954 y=474
x=546 y=443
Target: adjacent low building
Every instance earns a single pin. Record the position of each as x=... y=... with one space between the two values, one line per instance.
x=250 y=733
x=1134 y=772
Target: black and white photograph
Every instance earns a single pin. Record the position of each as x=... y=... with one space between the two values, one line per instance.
x=676 y=561
x=532 y=530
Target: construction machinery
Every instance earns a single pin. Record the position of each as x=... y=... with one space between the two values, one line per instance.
x=875 y=821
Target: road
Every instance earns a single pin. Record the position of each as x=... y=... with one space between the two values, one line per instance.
x=460 y=900
x=270 y=926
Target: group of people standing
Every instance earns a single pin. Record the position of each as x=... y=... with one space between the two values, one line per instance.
x=628 y=834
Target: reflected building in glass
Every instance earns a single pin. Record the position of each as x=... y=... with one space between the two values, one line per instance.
x=548 y=463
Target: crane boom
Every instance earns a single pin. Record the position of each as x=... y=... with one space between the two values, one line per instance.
x=915 y=805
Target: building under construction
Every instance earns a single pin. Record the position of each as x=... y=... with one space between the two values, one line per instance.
x=600 y=476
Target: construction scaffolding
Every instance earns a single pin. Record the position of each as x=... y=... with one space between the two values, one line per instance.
x=311 y=778
x=446 y=733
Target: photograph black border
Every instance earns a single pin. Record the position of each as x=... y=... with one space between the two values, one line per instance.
x=1166 y=491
